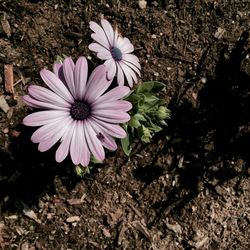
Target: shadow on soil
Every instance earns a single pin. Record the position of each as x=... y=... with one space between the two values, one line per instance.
x=28 y=173
x=211 y=135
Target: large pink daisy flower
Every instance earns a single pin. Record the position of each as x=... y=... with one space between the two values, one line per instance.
x=77 y=112
x=116 y=50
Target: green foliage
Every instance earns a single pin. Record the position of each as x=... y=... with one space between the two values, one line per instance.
x=148 y=115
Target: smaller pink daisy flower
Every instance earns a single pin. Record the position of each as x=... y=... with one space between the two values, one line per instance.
x=78 y=112
x=116 y=50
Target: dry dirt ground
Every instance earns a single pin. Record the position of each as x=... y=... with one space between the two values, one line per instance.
x=189 y=188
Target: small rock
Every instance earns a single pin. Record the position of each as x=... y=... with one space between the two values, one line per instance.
x=142 y=4
x=73 y=219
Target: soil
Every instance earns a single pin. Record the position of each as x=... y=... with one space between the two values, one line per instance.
x=189 y=188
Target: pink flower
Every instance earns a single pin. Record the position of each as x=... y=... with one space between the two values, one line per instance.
x=116 y=50
x=78 y=112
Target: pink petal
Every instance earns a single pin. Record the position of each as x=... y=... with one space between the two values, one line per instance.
x=111 y=129
x=119 y=105
x=44 y=117
x=97 y=84
x=80 y=77
x=38 y=104
x=99 y=35
x=94 y=143
x=63 y=149
x=68 y=71
x=113 y=95
x=111 y=68
x=111 y=116
x=55 y=84
x=108 y=31
x=46 y=95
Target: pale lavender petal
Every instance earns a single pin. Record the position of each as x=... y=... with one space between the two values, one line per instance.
x=111 y=116
x=132 y=59
x=93 y=142
x=55 y=84
x=97 y=84
x=80 y=77
x=59 y=130
x=120 y=75
x=63 y=149
x=106 y=140
x=104 y=55
x=114 y=94
x=125 y=45
x=119 y=105
x=96 y=47
x=108 y=31
x=111 y=129
x=109 y=143
x=68 y=71
x=99 y=35
x=56 y=68
x=115 y=37
x=129 y=73
x=48 y=130
x=44 y=117
x=75 y=144
x=85 y=154
x=42 y=105
x=111 y=68
x=45 y=132
x=46 y=95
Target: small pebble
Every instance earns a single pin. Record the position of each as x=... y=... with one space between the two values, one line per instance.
x=142 y=4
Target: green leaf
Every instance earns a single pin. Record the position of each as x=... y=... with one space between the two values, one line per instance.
x=126 y=146
x=152 y=86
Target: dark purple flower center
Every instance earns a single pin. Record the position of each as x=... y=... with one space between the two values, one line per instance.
x=116 y=53
x=80 y=110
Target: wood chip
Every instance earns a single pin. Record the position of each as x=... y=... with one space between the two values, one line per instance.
x=76 y=201
x=3 y=104
x=138 y=225
x=9 y=78
x=30 y=213
x=73 y=219
x=6 y=25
